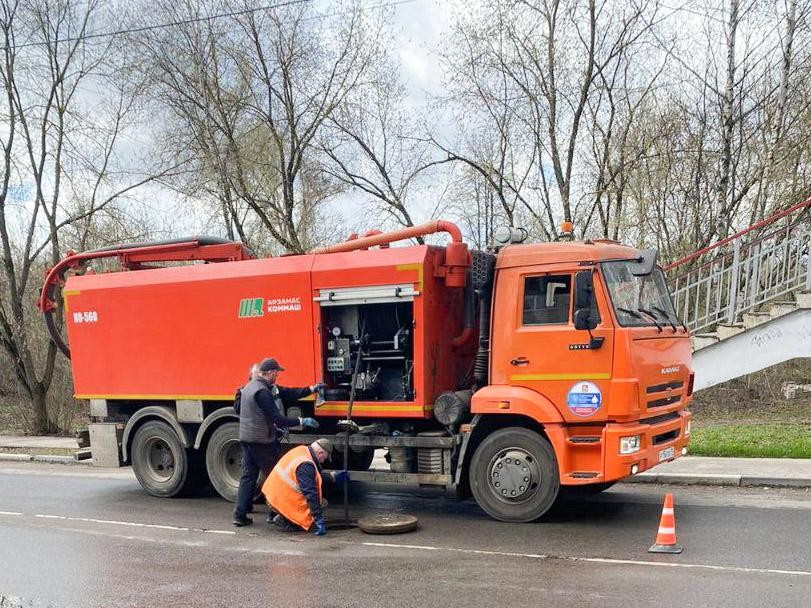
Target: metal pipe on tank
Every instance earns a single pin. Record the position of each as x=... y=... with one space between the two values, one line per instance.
x=397 y=235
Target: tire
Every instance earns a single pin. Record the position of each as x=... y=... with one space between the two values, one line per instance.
x=224 y=463
x=163 y=467
x=514 y=475
x=358 y=461
x=224 y=460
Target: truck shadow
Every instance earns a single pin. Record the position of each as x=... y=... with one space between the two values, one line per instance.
x=433 y=502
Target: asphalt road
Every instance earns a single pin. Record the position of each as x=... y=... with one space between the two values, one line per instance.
x=74 y=536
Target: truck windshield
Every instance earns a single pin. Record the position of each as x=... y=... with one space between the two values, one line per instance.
x=638 y=300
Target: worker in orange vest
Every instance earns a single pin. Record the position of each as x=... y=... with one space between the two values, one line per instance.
x=293 y=488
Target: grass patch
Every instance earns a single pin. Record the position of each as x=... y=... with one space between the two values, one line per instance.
x=752 y=440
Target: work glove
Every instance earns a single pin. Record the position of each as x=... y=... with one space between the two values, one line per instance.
x=340 y=476
x=320 y=527
x=308 y=423
x=318 y=386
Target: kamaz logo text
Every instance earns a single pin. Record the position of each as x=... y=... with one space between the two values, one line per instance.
x=671 y=370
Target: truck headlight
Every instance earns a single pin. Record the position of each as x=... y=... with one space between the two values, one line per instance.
x=687 y=428
x=629 y=445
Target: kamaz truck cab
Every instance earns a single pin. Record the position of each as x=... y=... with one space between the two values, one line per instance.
x=588 y=353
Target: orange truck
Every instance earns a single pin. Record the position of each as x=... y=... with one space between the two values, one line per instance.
x=512 y=374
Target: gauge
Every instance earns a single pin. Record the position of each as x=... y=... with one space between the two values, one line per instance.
x=336 y=331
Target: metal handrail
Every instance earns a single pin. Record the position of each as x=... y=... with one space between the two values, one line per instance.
x=730 y=254
x=765 y=222
x=755 y=272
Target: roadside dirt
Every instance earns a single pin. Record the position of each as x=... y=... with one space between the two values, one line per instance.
x=757 y=398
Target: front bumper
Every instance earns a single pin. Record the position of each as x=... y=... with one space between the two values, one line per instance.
x=588 y=455
x=660 y=442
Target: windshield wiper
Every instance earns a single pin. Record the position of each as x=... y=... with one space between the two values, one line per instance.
x=652 y=316
x=633 y=313
x=666 y=316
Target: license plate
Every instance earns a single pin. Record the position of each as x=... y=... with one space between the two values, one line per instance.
x=667 y=454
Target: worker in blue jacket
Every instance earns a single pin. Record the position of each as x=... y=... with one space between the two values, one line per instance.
x=260 y=405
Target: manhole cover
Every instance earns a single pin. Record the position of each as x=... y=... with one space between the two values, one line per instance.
x=388 y=523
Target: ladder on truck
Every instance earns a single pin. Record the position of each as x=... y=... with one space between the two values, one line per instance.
x=747 y=298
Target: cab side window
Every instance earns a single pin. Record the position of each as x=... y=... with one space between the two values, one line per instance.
x=547 y=299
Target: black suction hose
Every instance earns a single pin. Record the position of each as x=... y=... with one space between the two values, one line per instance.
x=349 y=418
x=481 y=365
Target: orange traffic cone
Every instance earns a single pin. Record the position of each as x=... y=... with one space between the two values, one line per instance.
x=666 y=537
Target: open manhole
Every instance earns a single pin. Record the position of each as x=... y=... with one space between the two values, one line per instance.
x=388 y=523
x=339 y=523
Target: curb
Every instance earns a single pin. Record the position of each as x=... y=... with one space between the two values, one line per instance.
x=66 y=460
x=698 y=479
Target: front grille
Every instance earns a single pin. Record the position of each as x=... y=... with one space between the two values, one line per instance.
x=658 y=388
x=663 y=418
x=665 y=437
x=663 y=402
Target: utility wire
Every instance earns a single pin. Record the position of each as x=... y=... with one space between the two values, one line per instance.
x=157 y=26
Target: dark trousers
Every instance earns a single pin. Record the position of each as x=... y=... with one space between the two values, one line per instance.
x=256 y=458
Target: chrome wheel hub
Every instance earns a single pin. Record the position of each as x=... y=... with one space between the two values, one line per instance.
x=514 y=475
x=160 y=460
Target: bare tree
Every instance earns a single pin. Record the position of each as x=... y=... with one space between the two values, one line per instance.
x=535 y=71
x=371 y=145
x=490 y=140
x=59 y=166
x=302 y=66
x=247 y=95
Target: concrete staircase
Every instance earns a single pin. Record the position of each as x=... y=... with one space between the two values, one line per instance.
x=781 y=331
x=747 y=298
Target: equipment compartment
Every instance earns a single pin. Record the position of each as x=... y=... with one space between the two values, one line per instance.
x=386 y=351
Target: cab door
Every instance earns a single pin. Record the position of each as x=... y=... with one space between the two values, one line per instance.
x=536 y=344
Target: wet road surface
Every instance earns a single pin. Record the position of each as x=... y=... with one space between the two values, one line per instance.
x=75 y=536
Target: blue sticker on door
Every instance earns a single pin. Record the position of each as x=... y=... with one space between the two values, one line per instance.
x=584 y=399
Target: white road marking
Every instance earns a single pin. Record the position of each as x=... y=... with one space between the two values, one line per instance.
x=134 y=524
x=56 y=470
x=598 y=560
x=536 y=556
x=174 y=541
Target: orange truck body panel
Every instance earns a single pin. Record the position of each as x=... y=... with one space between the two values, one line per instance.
x=192 y=332
x=176 y=333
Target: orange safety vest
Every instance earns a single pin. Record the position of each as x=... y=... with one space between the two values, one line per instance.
x=281 y=488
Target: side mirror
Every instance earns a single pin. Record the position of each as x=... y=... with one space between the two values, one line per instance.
x=582 y=319
x=584 y=301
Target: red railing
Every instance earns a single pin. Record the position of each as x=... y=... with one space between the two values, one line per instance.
x=744 y=271
x=765 y=222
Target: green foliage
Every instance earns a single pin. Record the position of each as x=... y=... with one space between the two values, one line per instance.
x=772 y=440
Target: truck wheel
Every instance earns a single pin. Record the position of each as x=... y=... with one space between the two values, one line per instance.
x=224 y=460
x=358 y=461
x=514 y=475
x=224 y=463
x=163 y=467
